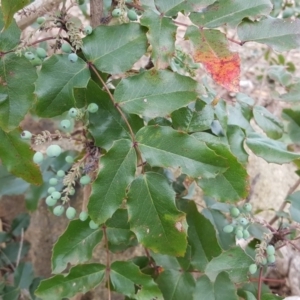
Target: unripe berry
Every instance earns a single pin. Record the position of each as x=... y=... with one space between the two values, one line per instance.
x=29 y=55
x=51 y=190
x=73 y=112
x=71 y=213
x=264 y=261
x=73 y=57
x=247 y=207
x=243 y=221
x=26 y=135
x=56 y=195
x=53 y=150
x=60 y=173
x=50 y=201
x=58 y=210
x=69 y=159
x=38 y=157
x=234 y=212
x=253 y=269
x=93 y=225
x=83 y=216
x=246 y=234
x=36 y=62
x=65 y=47
x=65 y=124
x=88 y=30
x=228 y=228
x=40 y=20
x=84 y=180
x=116 y=12
x=239 y=234
x=71 y=191
x=132 y=16
x=239 y=227
x=270 y=250
x=41 y=53
x=271 y=258
x=53 y=181
x=92 y=108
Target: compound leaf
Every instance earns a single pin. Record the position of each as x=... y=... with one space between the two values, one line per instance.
x=81 y=278
x=56 y=82
x=153 y=216
x=155 y=93
x=75 y=245
x=117 y=169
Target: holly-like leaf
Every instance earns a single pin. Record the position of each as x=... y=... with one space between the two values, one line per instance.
x=281 y=35
x=20 y=224
x=153 y=216
x=293 y=94
x=163 y=146
x=230 y=12
x=280 y=74
x=9 y=8
x=81 y=278
x=161 y=36
x=201 y=237
x=176 y=285
x=17 y=77
x=239 y=116
x=125 y=277
x=56 y=82
x=75 y=245
x=117 y=169
x=222 y=288
x=294 y=209
x=16 y=156
x=23 y=275
x=107 y=125
x=293 y=118
x=234 y=261
x=10 y=37
x=114 y=49
x=269 y=123
x=232 y=184
x=188 y=120
x=210 y=47
x=155 y=93
x=270 y=150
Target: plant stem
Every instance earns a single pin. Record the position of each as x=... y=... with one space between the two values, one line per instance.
x=107 y=271
x=259 y=283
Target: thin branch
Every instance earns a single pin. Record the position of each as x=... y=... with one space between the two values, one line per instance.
x=107 y=270
x=259 y=284
x=284 y=203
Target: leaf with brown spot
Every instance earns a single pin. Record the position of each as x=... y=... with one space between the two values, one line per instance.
x=211 y=49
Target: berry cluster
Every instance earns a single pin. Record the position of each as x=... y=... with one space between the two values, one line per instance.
x=81 y=169
x=119 y=13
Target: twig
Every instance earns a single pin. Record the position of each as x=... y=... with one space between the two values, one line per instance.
x=259 y=284
x=107 y=271
x=20 y=248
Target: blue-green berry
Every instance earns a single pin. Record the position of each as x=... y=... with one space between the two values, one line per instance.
x=93 y=225
x=116 y=13
x=29 y=55
x=271 y=258
x=41 y=53
x=56 y=195
x=69 y=159
x=73 y=57
x=247 y=207
x=234 y=212
x=38 y=157
x=53 y=151
x=83 y=216
x=84 y=180
x=65 y=124
x=66 y=48
x=40 y=20
x=53 y=181
x=73 y=112
x=239 y=234
x=71 y=191
x=228 y=228
x=92 y=108
x=50 y=201
x=253 y=269
x=36 y=62
x=88 y=30
x=58 y=210
x=51 y=190
x=270 y=250
x=243 y=221
x=246 y=234
x=132 y=15
x=264 y=261
x=60 y=173
x=26 y=135
x=71 y=213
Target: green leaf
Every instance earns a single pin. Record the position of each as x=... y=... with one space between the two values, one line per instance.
x=281 y=35
x=176 y=285
x=294 y=209
x=125 y=277
x=280 y=74
x=17 y=77
x=16 y=156
x=271 y=297
x=9 y=8
x=11 y=253
x=153 y=216
x=234 y=261
x=161 y=36
x=155 y=93
x=293 y=118
x=165 y=147
x=114 y=49
x=188 y=120
x=269 y=150
x=81 y=278
x=230 y=12
x=221 y=289
x=10 y=293
x=269 y=123
x=56 y=82
x=117 y=169
x=246 y=295
x=10 y=37
x=107 y=125
x=19 y=224
x=238 y=116
x=233 y=184
x=201 y=237
x=23 y=275
x=75 y=245
x=293 y=94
